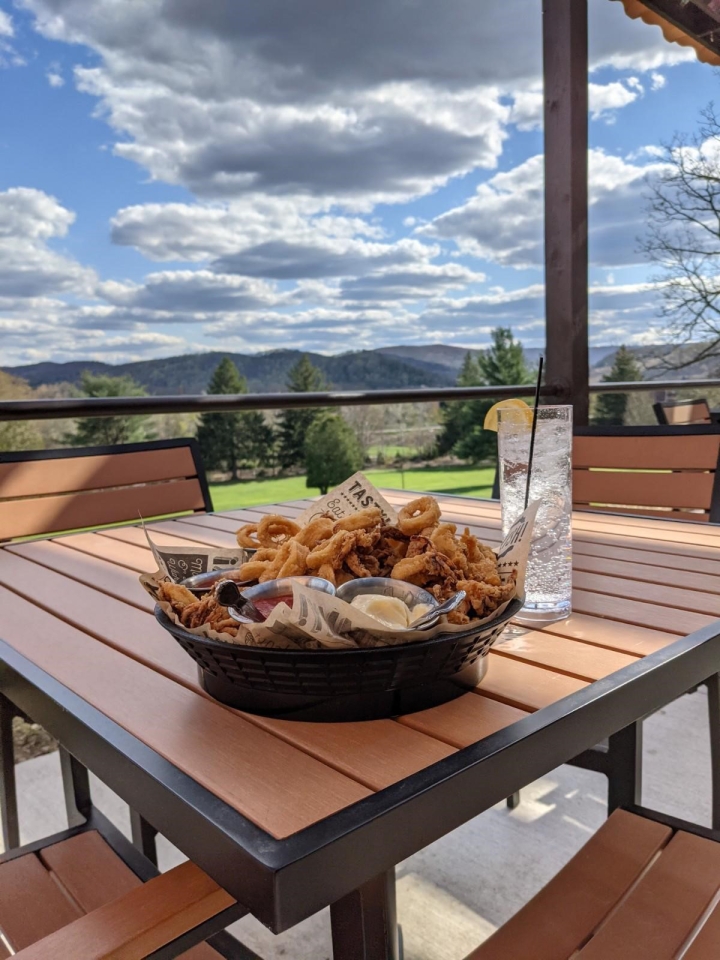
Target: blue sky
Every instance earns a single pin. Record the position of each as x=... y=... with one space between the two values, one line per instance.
x=179 y=176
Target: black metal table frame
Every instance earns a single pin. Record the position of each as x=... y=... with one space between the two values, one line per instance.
x=347 y=859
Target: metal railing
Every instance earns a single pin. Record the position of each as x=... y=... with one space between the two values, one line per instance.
x=215 y=403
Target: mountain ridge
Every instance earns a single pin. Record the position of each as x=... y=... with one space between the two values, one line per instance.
x=415 y=365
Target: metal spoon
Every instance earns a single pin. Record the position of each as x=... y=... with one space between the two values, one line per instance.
x=229 y=595
x=429 y=618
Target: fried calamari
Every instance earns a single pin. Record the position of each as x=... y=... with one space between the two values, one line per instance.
x=192 y=612
x=421 y=550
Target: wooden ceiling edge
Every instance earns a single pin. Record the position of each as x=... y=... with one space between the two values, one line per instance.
x=673 y=33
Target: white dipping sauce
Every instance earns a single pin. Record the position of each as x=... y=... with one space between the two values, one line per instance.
x=390 y=611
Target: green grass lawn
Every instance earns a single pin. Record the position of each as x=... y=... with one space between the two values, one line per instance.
x=392 y=450
x=461 y=481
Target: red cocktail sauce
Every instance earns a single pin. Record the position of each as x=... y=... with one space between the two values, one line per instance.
x=266 y=605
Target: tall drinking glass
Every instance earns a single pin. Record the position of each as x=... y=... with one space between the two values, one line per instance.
x=548 y=580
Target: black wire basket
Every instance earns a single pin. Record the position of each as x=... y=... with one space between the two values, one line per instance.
x=339 y=685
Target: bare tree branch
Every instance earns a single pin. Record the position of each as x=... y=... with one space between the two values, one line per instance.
x=683 y=240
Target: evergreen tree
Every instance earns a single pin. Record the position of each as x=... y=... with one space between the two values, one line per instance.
x=332 y=452
x=294 y=424
x=228 y=439
x=258 y=442
x=456 y=414
x=101 y=431
x=612 y=407
x=503 y=363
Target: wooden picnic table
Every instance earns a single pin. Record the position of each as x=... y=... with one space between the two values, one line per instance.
x=292 y=816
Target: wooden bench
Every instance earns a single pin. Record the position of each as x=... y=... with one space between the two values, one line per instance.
x=640 y=889
x=49 y=491
x=650 y=471
x=73 y=897
x=680 y=412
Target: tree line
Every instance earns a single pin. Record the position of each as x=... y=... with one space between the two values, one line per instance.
x=319 y=441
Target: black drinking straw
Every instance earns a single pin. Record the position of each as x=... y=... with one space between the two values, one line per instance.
x=532 y=432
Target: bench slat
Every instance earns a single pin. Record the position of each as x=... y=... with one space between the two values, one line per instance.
x=563 y=914
x=89 y=870
x=670 y=452
x=706 y=946
x=25 y=886
x=25 y=518
x=94 y=875
x=689 y=490
x=32 y=478
x=659 y=914
x=142 y=921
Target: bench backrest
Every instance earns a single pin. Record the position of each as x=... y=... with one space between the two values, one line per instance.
x=668 y=471
x=47 y=491
x=678 y=412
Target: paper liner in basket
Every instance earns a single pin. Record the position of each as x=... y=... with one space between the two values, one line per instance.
x=320 y=621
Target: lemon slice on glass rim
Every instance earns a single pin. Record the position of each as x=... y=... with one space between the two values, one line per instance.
x=525 y=413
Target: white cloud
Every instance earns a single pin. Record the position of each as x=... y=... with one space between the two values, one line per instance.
x=411 y=283
x=28 y=266
x=200 y=232
x=658 y=81
x=9 y=57
x=289 y=123
x=264 y=237
x=604 y=98
x=380 y=101
x=503 y=222
x=618 y=314
x=183 y=295
x=54 y=76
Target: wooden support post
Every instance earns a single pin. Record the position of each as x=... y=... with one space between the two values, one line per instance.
x=565 y=71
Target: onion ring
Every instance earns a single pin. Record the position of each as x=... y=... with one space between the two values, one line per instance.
x=247 y=536
x=418 y=514
x=274 y=530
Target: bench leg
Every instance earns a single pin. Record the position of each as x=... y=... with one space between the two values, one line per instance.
x=143 y=836
x=513 y=801
x=713 y=688
x=364 y=923
x=8 y=791
x=76 y=785
x=625 y=767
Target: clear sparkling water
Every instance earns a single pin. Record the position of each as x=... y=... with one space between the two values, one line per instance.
x=548 y=581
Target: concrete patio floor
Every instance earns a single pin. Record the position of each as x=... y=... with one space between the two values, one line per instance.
x=454 y=893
